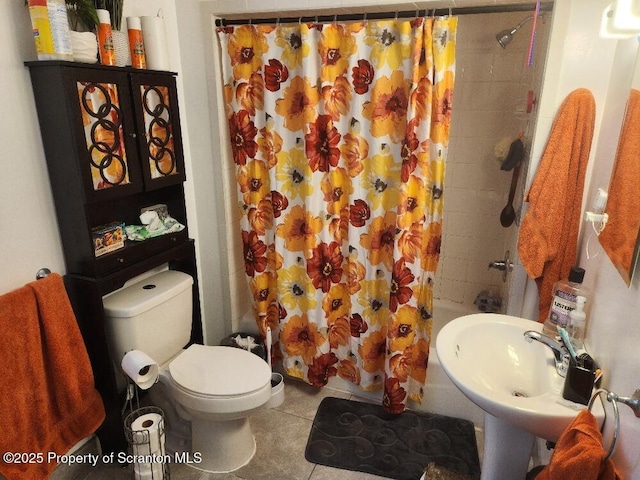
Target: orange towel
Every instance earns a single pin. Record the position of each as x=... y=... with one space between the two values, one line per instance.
x=548 y=239
x=620 y=235
x=579 y=454
x=48 y=402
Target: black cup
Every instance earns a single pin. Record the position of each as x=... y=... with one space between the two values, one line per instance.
x=578 y=383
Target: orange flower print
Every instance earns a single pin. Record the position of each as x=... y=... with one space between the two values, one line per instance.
x=275 y=73
x=419 y=353
x=348 y=370
x=354 y=148
x=264 y=291
x=325 y=265
x=410 y=242
x=246 y=47
x=301 y=338
x=408 y=151
x=338 y=332
x=421 y=98
x=355 y=275
x=362 y=76
x=298 y=104
x=321 y=144
x=322 y=369
x=250 y=95
x=387 y=109
x=253 y=179
x=441 y=116
x=400 y=366
x=401 y=280
x=337 y=98
x=243 y=133
x=336 y=186
x=357 y=325
x=394 y=396
x=269 y=143
x=299 y=230
x=379 y=240
x=424 y=297
x=254 y=253
x=336 y=303
x=359 y=213
x=274 y=259
x=339 y=225
x=261 y=217
x=279 y=203
x=275 y=313
x=413 y=202
x=337 y=44
x=402 y=328
x=431 y=247
x=373 y=350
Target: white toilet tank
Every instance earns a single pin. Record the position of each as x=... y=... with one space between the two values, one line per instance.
x=152 y=315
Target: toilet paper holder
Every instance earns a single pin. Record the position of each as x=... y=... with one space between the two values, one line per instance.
x=144 y=430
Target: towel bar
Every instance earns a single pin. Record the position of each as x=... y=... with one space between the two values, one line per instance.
x=633 y=401
x=42 y=273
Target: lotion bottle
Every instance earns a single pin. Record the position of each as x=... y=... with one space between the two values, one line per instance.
x=565 y=293
x=578 y=323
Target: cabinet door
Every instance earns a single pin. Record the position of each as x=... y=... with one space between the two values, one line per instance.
x=156 y=104
x=107 y=152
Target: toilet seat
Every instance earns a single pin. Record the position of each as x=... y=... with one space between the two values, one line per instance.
x=219 y=372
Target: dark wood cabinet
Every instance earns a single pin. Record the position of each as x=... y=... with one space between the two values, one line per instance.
x=113 y=146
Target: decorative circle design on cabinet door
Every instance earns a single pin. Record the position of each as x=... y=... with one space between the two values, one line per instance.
x=160 y=141
x=104 y=140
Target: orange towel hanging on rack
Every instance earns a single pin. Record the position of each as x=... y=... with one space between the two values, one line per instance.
x=579 y=454
x=48 y=402
x=548 y=239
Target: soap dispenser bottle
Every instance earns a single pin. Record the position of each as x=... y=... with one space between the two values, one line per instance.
x=564 y=293
x=578 y=323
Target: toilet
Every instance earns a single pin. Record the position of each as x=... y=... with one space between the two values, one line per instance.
x=206 y=392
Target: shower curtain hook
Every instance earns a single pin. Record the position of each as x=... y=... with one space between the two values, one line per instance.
x=335 y=20
x=396 y=16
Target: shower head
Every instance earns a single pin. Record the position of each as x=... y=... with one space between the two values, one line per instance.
x=505 y=36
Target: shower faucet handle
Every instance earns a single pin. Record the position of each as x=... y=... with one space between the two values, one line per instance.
x=505 y=265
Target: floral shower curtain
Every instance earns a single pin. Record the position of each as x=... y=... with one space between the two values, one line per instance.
x=339 y=134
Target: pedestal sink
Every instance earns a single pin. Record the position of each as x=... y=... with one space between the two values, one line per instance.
x=515 y=382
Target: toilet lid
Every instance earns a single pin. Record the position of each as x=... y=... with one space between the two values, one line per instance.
x=219 y=371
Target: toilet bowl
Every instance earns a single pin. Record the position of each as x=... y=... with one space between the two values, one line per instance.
x=218 y=388
x=207 y=392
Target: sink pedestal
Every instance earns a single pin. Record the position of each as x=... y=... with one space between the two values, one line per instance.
x=507 y=450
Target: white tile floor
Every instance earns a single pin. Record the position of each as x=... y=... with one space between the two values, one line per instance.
x=281 y=436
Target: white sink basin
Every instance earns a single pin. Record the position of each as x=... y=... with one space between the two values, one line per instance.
x=515 y=382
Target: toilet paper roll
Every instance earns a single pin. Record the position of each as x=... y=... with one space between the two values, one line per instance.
x=148 y=471
x=148 y=434
x=155 y=43
x=141 y=368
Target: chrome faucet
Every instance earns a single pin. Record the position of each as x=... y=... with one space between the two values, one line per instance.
x=560 y=352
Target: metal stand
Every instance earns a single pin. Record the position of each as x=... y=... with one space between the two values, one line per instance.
x=144 y=429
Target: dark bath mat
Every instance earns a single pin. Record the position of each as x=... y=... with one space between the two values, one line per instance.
x=363 y=437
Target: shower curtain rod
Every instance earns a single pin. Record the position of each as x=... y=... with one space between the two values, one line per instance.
x=546 y=6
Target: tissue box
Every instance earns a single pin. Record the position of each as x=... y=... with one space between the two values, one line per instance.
x=108 y=238
x=160 y=209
